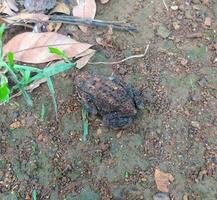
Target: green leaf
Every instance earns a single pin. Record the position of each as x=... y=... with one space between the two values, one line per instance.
x=4 y=90
x=57 y=52
x=52 y=92
x=31 y=69
x=56 y=69
x=10 y=59
x=84 y=125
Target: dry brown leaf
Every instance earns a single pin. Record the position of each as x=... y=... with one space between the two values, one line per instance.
x=53 y=27
x=163 y=180
x=85 y=57
x=27 y=197
x=33 y=47
x=185 y=197
x=29 y=16
x=85 y=9
x=5 y=9
x=12 y=5
x=15 y=125
x=61 y=8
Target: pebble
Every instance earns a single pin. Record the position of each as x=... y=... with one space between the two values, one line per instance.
x=174 y=7
x=207 y=21
x=195 y=124
x=176 y=25
x=161 y=196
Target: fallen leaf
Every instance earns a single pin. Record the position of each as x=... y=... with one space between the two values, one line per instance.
x=53 y=27
x=28 y=16
x=163 y=180
x=61 y=8
x=84 y=58
x=39 y=5
x=27 y=197
x=33 y=47
x=12 y=5
x=15 y=125
x=86 y=9
x=5 y=8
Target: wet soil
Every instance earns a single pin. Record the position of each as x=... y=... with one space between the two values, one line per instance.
x=176 y=132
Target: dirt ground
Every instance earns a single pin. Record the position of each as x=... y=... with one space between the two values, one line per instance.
x=176 y=132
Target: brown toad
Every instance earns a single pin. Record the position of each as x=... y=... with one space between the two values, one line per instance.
x=116 y=101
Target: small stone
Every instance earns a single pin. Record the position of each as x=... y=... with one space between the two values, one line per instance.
x=174 y=7
x=15 y=125
x=195 y=124
x=161 y=196
x=185 y=197
x=184 y=61
x=196 y=7
x=176 y=25
x=207 y=21
x=182 y=7
x=188 y=14
x=119 y=135
x=104 y=1
x=99 y=131
x=215 y=60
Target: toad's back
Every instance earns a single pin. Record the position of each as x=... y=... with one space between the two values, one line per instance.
x=106 y=94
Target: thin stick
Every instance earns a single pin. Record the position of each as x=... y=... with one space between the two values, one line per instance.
x=165 y=5
x=91 y=22
x=121 y=61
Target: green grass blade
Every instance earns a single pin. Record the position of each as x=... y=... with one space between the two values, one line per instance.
x=10 y=57
x=4 y=90
x=27 y=97
x=31 y=69
x=52 y=92
x=34 y=194
x=2 y=28
x=58 y=68
x=84 y=125
x=4 y=64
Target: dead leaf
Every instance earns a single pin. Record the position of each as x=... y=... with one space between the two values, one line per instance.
x=5 y=8
x=185 y=197
x=61 y=8
x=39 y=5
x=85 y=9
x=53 y=27
x=27 y=197
x=85 y=57
x=12 y=5
x=28 y=16
x=163 y=180
x=33 y=47
x=15 y=125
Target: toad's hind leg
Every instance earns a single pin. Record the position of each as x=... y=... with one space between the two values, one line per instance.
x=117 y=120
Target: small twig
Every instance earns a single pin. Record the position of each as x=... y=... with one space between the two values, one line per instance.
x=121 y=61
x=91 y=22
x=165 y=5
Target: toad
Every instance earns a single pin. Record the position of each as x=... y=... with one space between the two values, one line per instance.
x=114 y=100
